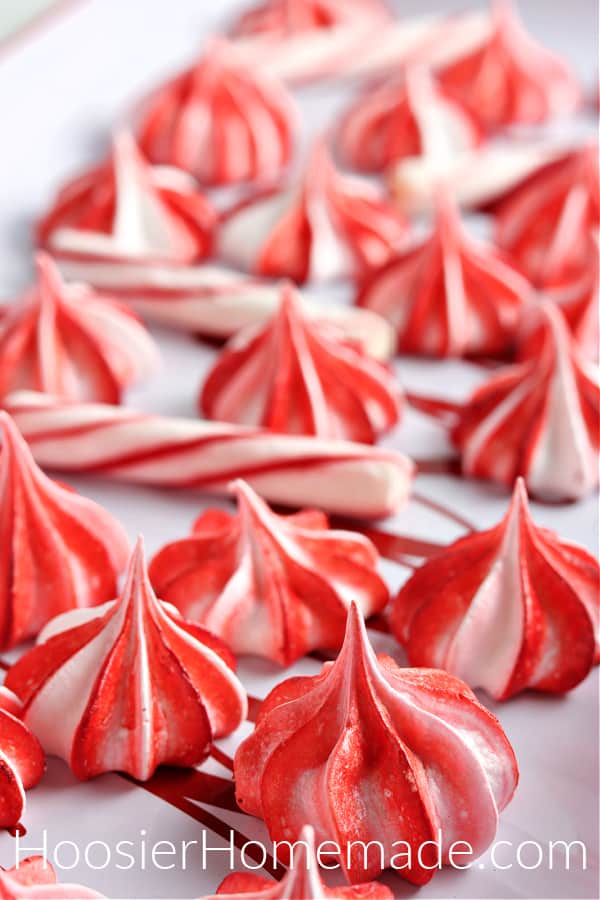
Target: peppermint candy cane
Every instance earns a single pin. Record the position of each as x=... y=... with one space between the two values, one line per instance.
x=338 y=476
x=217 y=302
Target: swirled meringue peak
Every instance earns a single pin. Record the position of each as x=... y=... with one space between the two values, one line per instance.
x=22 y=762
x=324 y=227
x=129 y=685
x=546 y=223
x=289 y=17
x=69 y=341
x=511 y=79
x=302 y=881
x=58 y=551
x=538 y=418
x=35 y=879
x=375 y=753
x=299 y=376
x=221 y=120
x=126 y=212
x=270 y=585
x=507 y=609
x=448 y=295
x=403 y=119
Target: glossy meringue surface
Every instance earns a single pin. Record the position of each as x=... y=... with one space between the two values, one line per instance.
x=129 y=685
x=270 y=585
x=58 y=550
x=22 y=761
x=372 y=752
x=301 y=882
x=221 y=120
x=507 y=609
x=448 y=295
x=324 y=226
x=538 y=419
x=407 y=118
x=512 y=79
x=127 y=211
x=299 y=376
x=69 y=341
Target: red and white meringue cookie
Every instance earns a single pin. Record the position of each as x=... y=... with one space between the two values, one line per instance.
x=577 y=293
x=375 y=753
x=337 y=476
x=538 y=418
x=70 y=341
x=22 y=762
x=288 y=17
x=58 y=551
x=404 y=119
x=124 y=217
x=129 y=685
x=221 y=120
x=449 y=295
x=299 y=376
x=326 y=226
x=512 y=79
x=546 y=223
x=35 y=879
x=302 y=881
x=269 y=585
x=507 y=609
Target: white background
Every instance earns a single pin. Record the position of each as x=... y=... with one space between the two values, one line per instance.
x=61 y=91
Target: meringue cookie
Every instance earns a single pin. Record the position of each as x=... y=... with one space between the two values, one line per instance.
x=288 y=17
x=511 y=79
x=58 y=551
x=301 y=881
x=405 y=119
x=538 y=419
x=221 y=120
x=269 y=585
x=546 y=223
x=22 y=762
x=35 y=879
x=129 y=685
x=372 y=752
x=70 y=341
x=449 y=295
x=128 y=214
x=507 y=609
x=298 y=376
x=327 y=226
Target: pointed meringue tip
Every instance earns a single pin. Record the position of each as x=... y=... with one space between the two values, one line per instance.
x=355 y=625
x=446 y=207
x=8 y=428
x=47 y=271
x=137 y=560
x=289 y=301
x=246 y=498
x=520 y=495
x=307 y=833
x=124 y=144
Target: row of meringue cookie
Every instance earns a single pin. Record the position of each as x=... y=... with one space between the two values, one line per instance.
x=147 y=687
x=537 y=418
x=446 y=295
x=226 y=119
